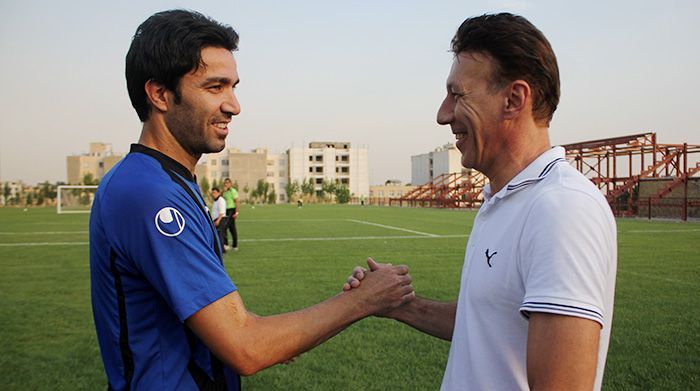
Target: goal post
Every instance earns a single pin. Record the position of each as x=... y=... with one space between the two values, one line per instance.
x=75 y=198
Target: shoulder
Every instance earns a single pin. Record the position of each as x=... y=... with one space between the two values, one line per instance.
x=138 y=185
x=567 y=202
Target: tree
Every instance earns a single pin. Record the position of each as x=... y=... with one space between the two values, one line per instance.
x=271 y=197
x=342 y=194
x=29 y=199
x=327 y=187
x=204 y=185
x=261 y=190
x=6 y=191
x=308 y=187
x=291 y=189
x=47 y=191
x=89 y=179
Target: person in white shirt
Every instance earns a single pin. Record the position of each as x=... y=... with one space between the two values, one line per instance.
x=218 y=215
x=535 y=305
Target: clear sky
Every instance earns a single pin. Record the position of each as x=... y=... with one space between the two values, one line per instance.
x=368 y=72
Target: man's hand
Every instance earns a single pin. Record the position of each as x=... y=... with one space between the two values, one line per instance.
x=394 y=296
x=358 y=274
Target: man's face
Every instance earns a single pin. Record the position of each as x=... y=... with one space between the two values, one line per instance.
x=215 y=194
x=199 y=122
x=472 y=108
x=227 y=185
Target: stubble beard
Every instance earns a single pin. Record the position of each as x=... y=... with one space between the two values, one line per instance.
x=192 y=135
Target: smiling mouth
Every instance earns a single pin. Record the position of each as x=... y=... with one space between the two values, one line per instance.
x=460 y=136
x=221 y=125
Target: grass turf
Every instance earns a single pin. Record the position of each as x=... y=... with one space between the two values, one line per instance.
x=48 y=340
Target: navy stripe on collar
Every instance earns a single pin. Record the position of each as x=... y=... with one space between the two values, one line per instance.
x=544 y=173
x=164 y=159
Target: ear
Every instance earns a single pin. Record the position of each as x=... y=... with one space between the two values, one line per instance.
x=518 y=97
x=157 y=95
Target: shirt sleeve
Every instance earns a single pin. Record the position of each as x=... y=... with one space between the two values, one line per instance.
x=565 y=256
x=167 y=238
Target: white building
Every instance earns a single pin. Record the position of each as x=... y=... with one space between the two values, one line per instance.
x=443 y=160
x=331 y=161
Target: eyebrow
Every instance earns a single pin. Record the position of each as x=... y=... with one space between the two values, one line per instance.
x=224 y=80
x=453 y=87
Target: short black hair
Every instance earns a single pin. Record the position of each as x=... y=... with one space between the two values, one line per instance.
x=520 y=51
x=167 y=46
x=216 y=189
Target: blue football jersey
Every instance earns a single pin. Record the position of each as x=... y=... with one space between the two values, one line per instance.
x=155 y=260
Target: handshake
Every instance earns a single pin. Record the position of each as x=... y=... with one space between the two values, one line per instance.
x=380 y=289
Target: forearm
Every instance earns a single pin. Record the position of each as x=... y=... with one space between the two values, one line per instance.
x=432 y=317
x=250 y=343
x=278 y=338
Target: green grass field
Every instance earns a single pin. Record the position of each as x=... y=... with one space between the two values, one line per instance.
x=290 y=258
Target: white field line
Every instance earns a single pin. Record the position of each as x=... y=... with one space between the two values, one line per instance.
x=394 y=228
x=643 y=231
x=281 y=220
x=44 y=244
x=262 y=240
x=44 y=233
x=352 y=238
x=653 y=277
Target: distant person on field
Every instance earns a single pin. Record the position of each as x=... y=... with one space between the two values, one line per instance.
x=535 y=305
x=168 y=317
x=231 y=197
x=218 y=214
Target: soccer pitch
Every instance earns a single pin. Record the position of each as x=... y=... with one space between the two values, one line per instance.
x=292 y=257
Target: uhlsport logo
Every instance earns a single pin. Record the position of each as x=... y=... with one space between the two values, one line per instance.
x=169 y=221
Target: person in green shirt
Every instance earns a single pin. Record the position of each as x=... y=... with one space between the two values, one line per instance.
x=231 y=197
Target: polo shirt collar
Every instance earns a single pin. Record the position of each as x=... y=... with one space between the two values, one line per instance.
x=533 y=173
x=166 y=161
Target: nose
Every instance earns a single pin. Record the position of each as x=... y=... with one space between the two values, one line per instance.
x=230 y=105
x=445 y=113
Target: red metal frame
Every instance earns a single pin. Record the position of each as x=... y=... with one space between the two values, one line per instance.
x=615 y=165
x=600 y=161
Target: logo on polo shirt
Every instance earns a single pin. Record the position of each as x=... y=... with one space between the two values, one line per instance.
x=488 y=257
x=169 y=221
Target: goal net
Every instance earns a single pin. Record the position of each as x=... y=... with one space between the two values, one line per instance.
x=75 y=198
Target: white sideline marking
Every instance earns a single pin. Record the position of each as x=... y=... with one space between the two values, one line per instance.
x=262 y=240
x=281 y=220
x=44 y=244
x=352 y=238
x=44 y=233
x=660 y=230
x=658 y=278
x=395 y=228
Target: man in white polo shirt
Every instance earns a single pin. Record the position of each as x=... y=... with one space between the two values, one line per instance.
x=536 y=300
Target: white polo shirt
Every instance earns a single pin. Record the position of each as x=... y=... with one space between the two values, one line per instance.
x=546 y=242
x=219 y=208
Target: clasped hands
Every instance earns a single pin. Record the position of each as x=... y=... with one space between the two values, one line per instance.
x=386 y=286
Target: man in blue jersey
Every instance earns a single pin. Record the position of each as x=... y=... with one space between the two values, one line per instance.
x=167 y=315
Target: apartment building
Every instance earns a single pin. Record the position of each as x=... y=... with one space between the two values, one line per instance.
x=97 y=162
x=443 y=160
x=331 y=161
x=381 y=194
x=336 y=162
x=246 y=169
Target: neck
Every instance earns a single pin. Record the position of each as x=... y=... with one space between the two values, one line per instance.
x=155 y=135
x=523 y=146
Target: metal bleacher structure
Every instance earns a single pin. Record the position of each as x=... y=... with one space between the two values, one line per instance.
x=617 y=166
